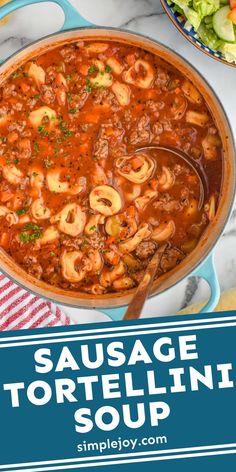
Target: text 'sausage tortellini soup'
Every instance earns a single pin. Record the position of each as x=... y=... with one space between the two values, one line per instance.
x=80 y=208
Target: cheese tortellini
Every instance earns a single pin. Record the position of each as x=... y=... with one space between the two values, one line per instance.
x=137 y=168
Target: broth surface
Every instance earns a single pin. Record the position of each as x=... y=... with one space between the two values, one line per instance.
x=80 y=206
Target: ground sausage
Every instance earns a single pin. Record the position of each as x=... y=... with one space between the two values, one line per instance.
x=142 y=133
x=171 y=258
x=145 y=249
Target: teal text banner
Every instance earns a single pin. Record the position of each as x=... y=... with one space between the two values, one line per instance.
x=156 y=393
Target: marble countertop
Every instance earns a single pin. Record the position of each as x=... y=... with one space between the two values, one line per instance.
x=147 y=17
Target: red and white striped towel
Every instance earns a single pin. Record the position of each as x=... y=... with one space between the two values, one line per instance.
x=20 y=309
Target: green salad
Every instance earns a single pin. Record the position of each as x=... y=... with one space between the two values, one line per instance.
x=214 y=21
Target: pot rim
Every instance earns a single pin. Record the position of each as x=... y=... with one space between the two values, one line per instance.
x=45 y=290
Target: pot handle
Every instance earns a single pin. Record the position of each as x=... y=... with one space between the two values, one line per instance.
x=115 y=314
x=73 y=19
x=206 y=271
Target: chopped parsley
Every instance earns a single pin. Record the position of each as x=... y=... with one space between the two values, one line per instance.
x=37 y=96
x=92 y=69
x=12 y=161
x=36 y=233
x=59 y=140
x=64 y=128
x=72 y=111
x=88 y=87
x=92 y=228
x=95 y=158
x=17 y=73
x=42 y=130
x=56 y=151
x=46 y=119
x=91 y=87
x=108 y=69
x=32 y=226
x=25 y=237
x=35 y=174
x=70 y=97
x=52 y=253
x=36 y=147
x=21 y=211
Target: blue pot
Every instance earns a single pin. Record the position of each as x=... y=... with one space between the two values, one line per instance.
x=200 y=262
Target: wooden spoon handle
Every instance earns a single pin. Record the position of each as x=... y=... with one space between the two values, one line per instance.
x=135 y=307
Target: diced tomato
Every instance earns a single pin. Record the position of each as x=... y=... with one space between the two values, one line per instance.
x=114 y=258
x=83 y=137
x=178 y=90
x=110 y=240
x=24 y=87
x=192 y=179
x=136 y=162
x=170 y=138
x=12 y=137
x=4 y=240
x=83 y=68
x=232 y=4
x=232 y=15
x=102 y=163
x=151 y=94
x=45 y=147
x=92 y=118
x=34 y=192
x=83 y=148
x=24 y=145
x=153 y=184
x=130 y=212
x=6 y=196
x=109 y=131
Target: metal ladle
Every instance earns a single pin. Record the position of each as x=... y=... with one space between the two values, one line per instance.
x=186 y=158
x=135 y=307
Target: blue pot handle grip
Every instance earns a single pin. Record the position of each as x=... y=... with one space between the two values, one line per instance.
x=73 y=19
x=205 y=271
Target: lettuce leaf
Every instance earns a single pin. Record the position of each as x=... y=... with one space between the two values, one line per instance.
x=192 y=16
x=206 y=7
x=185 y=3
x=229 y=51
